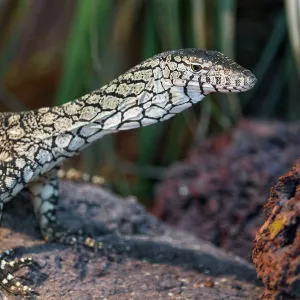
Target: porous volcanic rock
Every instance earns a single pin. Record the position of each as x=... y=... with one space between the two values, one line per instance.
x=277 y=245
x=141 y=257
x=219 y=190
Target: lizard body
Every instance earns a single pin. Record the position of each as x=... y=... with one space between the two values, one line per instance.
x=33 y=144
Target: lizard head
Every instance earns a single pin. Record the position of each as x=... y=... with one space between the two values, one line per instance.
x=165 y=85
x=200 y=72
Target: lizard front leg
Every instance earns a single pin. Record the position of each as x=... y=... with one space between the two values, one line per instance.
x=44 y=194
x=7 y=268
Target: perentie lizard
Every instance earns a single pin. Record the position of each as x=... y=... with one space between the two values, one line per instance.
x=35 y=143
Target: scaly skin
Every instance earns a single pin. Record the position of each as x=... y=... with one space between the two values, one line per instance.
x=33 y=144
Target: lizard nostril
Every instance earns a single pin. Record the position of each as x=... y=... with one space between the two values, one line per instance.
x=247 y=73
x=251 y=78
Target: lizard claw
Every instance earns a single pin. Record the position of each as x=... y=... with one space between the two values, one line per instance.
x=7 y=279
x=80 y=238
x=92 y=243
x=57 y=233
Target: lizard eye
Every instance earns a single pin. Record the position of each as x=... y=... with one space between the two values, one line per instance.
x=195 y=68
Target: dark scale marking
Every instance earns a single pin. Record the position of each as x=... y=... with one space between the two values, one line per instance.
x=201 y=87
x=227 y=78
x=185 y=88
x=215 y=87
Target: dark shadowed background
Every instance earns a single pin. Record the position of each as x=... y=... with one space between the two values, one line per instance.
x=54 y=51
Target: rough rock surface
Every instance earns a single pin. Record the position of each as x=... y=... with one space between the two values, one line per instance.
x=219 y=190
x=277 y=246
x=141 y=258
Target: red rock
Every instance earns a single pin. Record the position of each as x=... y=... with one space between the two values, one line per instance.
x=219 y=190
x=277 y=245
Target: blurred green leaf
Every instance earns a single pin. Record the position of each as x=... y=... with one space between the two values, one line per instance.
x=199 y=25
x=225 y=35
x=10 y=31
x=167 y=18
x=293 y=21
x=78 y=52
x=10 y=28
x=100 y=45
x=279 y=83
x=204 y=121
x=268 y=55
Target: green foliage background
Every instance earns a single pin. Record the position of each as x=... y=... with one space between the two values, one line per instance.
x=100 y=39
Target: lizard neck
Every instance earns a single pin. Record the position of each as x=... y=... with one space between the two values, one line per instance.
x=73 y=126
x=130 y=101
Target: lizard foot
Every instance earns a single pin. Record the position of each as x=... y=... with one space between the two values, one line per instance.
x=7 y=279
x=56 y=233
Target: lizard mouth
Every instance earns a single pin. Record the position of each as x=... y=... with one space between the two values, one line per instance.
x=239 y=82
x=209 y=88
